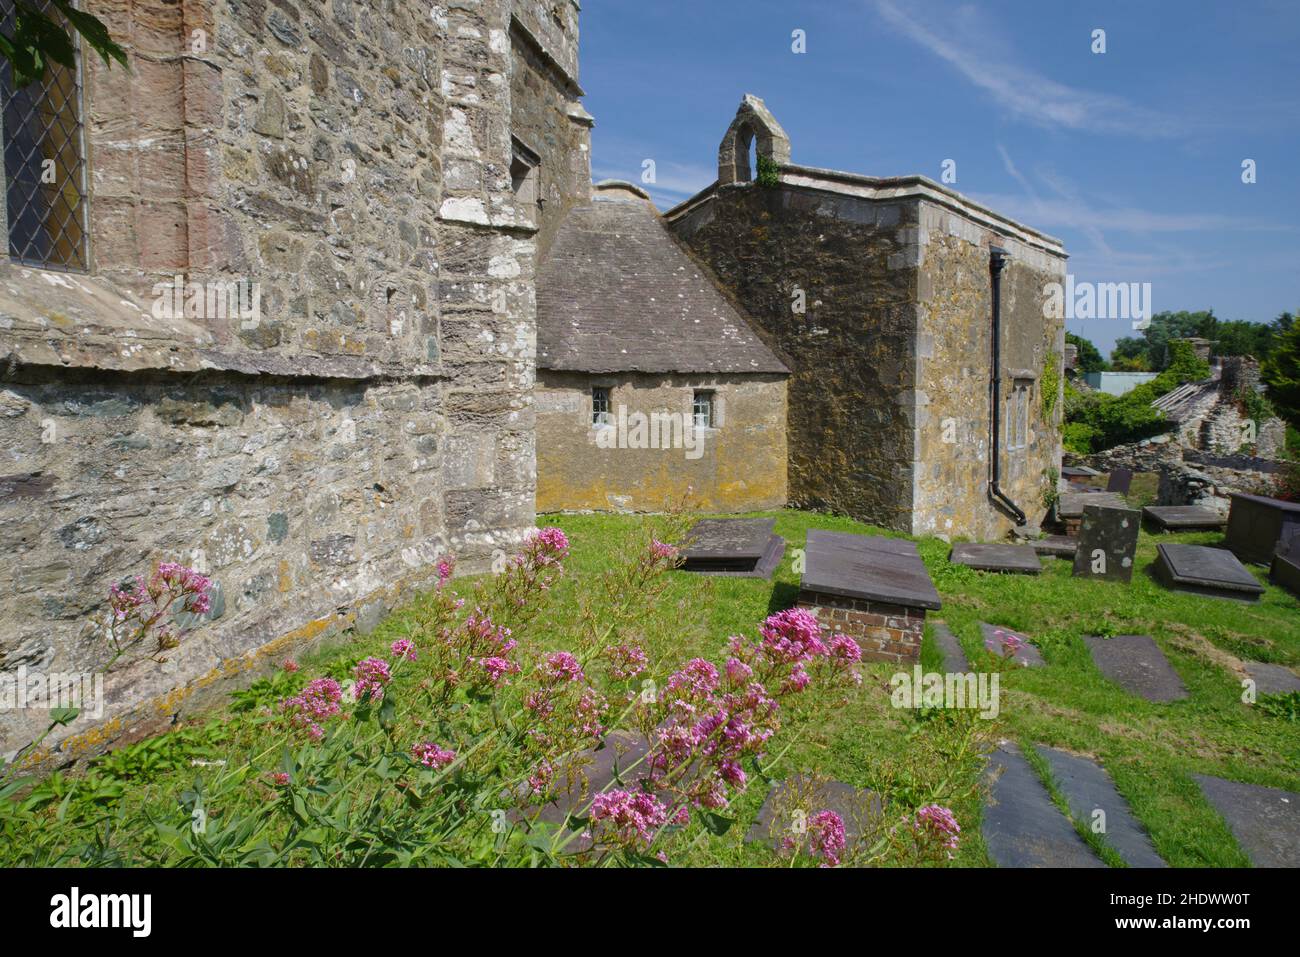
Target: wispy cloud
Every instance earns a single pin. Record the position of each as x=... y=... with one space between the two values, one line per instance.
x=1074 y=212
x=1024 y=92
x=673 y=183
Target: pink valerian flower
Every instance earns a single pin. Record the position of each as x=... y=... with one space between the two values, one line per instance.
x=445 y=568
x=1005 y=643
x=432 y=756
x=551 y=541
x=590 y=713
x=289 y=665
x=939 y=823
x=738 y=673
x=792 y=635
x=826 y=834
x=697 y=679
x=316 y=703
x=371 y=675
x=562 y=667
x=629 y=819
x=539 y=782
x=625 y=661
x=190 y=583
x=280 y=778
x=404 y=648
x=127 y=595
x=660 y=551
x=497 y=668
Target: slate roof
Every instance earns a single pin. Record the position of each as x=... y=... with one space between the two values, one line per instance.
x=617 y=294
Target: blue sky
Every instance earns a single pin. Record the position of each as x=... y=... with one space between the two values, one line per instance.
x=1132 y=157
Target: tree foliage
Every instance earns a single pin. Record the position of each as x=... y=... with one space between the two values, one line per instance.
x=38 y=40
x=1281 y=373
x=1090 y=357
x=1235 y=337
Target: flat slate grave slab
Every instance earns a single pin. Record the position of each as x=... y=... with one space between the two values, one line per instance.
x=1022 y=827
x=618 y=764
x=995 y=640
x=1087 y=788
x=1184 y=518
x=1056 y=546
x=1136 y=664
x=1072 y=504
x=791 y=804
x=1272 y=679
x=740 y=547
x=867 y=567
x=1265 y=821
x=954 y=658
x=1108 y=539
x=1203 y=570
x=994 y=557
x=1120 y=480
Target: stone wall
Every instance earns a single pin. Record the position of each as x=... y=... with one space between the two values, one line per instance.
x=850 y=352
x=954 y=356
x=316 y=458
x=889 y=397
x=741 y=465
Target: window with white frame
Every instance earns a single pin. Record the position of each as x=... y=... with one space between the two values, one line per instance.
x=600 y=414
x=703 y=407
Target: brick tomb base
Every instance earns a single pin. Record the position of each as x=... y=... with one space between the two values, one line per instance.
x=885 y=632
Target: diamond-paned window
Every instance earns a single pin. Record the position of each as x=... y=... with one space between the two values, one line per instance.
x=44 y=162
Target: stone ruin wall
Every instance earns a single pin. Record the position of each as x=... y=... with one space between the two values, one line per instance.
x=850 y=417
x=378 y=414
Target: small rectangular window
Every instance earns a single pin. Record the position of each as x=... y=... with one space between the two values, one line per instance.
x=600 y=405
x=703 y=409
x=44 y=161
x=1017 y=416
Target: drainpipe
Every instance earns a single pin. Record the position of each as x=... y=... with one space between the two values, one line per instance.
x=998 y=259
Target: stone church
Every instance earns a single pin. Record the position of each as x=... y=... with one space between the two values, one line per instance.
x=319 y=292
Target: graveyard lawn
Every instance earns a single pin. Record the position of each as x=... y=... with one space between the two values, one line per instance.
x=1150 y=750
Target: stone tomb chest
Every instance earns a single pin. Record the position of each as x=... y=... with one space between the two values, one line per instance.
x=740 y=547
x=1205 y=571
x=1256 y=524
x=875 y=590
x=1286 y=564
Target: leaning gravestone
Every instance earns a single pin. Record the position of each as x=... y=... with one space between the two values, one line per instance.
x=996 y=557
x=1108 y=540
x=739 y=547
x=1120 y=481
x=1136 y=664
x=1285 y=570
x=1201 y=570
x=1265 y=821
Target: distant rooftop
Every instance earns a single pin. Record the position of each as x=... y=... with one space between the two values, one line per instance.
x=618 y=294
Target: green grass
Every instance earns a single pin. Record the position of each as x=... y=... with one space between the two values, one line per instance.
x=1150 y=750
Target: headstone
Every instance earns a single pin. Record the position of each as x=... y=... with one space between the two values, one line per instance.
x=1136 y=664
x=1120 y=481
x=1271 y=678
x=738 y=547
x=1183 y=518
x=1022 y=827
x=791 y=804
x=1057 y=546
x=994 y=557
x=1202 y=570
x=1257 y=523
x=874 y=589
x=1285 y=570
x=1108 y=540
x=954 y=658
x=1000 y=640
x=1088 y=789
x=618 y=764
x=1265 y=821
